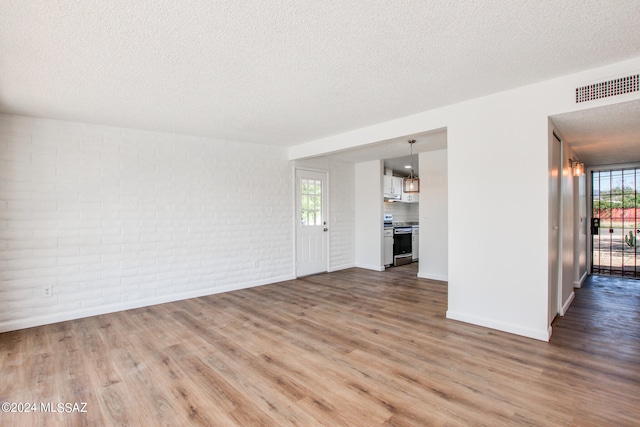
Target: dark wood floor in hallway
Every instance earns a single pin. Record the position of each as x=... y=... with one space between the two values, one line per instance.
x=350 y=348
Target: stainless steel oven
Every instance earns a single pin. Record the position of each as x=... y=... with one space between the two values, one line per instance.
x=402 y=245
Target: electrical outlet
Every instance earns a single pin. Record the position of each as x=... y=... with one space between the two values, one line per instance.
x=47 y=291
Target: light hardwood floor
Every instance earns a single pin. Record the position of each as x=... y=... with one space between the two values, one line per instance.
x=353 y=348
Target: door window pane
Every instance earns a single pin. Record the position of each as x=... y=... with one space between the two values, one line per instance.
x=311 y=201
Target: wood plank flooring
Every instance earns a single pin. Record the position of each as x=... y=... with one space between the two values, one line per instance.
x=349 y=348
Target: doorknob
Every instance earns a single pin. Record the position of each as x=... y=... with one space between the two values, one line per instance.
x=325 y=229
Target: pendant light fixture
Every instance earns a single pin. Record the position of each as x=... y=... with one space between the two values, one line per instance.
x=411 y=184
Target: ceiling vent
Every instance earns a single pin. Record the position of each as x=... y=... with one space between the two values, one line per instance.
x=609 y=88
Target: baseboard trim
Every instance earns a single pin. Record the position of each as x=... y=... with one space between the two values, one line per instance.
x=579 y=283
x=567 y=303
x=542 y=335
x=10 y=325
x=341 y=267
x=435 y=277
x=370 y=267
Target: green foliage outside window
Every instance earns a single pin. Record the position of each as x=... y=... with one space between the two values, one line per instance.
x=617 y=198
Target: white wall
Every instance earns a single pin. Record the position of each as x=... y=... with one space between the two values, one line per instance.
x=581 y=229
x=342 y=242
x=369 y=215
x=572 y=247
x=498 y=214
x=569 y=255
x=555 y=241
x=434 y=227
x=497 y=155
x=114 y=218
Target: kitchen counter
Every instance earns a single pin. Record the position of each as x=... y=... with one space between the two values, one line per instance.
x=405 y=224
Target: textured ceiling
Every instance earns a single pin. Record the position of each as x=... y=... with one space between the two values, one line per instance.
x=287 y=72
x=604 y=135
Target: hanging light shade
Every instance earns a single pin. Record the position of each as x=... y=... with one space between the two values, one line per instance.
x=411 y=184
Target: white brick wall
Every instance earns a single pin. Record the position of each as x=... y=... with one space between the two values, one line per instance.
x=115 y=218
x=342 y=213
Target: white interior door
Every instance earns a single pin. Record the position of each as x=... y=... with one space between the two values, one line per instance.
x=311 y=219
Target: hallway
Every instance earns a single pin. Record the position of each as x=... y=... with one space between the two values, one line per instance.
x=605 y=308
x=603 y=324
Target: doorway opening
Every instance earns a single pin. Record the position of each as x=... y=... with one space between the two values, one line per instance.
x=615 y=224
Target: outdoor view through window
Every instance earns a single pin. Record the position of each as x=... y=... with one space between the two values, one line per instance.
x=616 y=222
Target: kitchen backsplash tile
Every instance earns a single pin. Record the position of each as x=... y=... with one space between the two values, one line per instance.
x=402 y=212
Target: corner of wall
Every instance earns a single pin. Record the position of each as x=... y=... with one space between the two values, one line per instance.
x=541 y=335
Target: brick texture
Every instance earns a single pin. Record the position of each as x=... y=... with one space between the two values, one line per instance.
x=116 y=218
x=342 y=214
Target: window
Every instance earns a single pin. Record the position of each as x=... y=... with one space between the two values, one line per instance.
x=616 y=203
x=311 y=201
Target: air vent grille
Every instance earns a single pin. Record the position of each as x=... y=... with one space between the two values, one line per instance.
x=609 y=88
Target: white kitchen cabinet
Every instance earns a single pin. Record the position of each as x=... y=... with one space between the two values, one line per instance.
x=392 y=186
x=388 y=246
x=415 y=242
x=410 y=197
